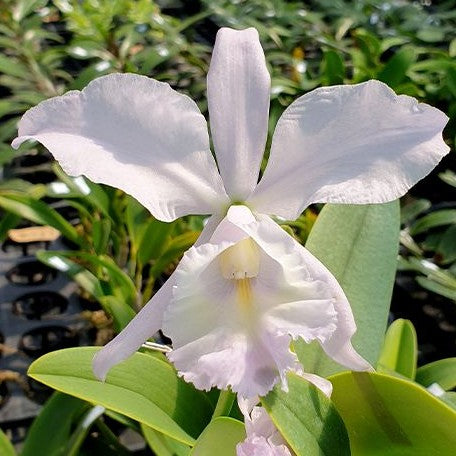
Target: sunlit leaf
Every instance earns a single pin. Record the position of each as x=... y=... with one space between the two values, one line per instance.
x=143 y=387
x=307 y=419
x=400 y=349
x=219 y=438
x=391 y=416
x=359 y=245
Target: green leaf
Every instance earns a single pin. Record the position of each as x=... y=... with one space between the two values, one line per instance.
x=436 y=287
x=307 y=419
x=400 y=351
x=51 y=430
x=143 y=387
x=105 y=266
x=36 y=211
x=121 y=312
x=79 y=274
x=219 y=438
x=442 y=372
x=449 y=398
x=394 y=72
x=174 y=250
x=391 y=416
x=411 y=210
x=148 y=236
x=101 y=229
x=6 y=447
x=359 y=245
x=163 y=445
x=433 y=220
x=118 y=308
x=7 y=222
x=446 y=248
x=82 y=429
x=92 y=193
x=333 y=67
x=116 y=277
x=449 y=176
x=13 y=67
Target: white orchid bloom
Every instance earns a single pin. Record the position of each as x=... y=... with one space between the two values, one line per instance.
x=263 y=438
x=247 y=288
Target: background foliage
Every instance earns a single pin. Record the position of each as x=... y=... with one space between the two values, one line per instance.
x=119 y=254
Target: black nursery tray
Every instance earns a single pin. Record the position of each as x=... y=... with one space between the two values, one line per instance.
x=39 y=312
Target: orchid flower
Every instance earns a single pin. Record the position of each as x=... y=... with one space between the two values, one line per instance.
x=247 y=288
x=263 y=438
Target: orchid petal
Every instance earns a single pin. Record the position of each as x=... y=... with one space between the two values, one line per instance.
x=354 y=144
x=259 y=446
x=321 y=383
x=300 y=265
x=211 y=346
x=238 y=85
x=136 y=134
x=263 y=438
x=145 y=324
x=221 y=340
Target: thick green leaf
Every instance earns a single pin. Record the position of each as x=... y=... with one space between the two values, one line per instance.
x=163 y=445
x=400 y=351
x=433 y=220
x=219 y=438
x=442 y=372
x=51 y=431
x=38 y=212
x=359 y=245
x=307 y=419
x=391 y=416
x=6 y=447
x=142 y=387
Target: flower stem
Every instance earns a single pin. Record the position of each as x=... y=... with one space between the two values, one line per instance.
x=224 y=403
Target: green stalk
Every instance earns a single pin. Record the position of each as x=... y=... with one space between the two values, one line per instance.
x=224 y=403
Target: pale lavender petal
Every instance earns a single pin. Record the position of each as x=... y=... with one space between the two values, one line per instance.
x=259 y=446
x=300 y=265
x=263 y=438
x=136 y=134
x=219 y=338
x=353 y=144
x=321 y=383
x=145 y=324
x=238 y=85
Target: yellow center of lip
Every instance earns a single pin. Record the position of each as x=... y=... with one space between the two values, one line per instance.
x=241 y=260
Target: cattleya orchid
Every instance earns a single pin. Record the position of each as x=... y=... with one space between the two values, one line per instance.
x=263 y=438
x=247 y=288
